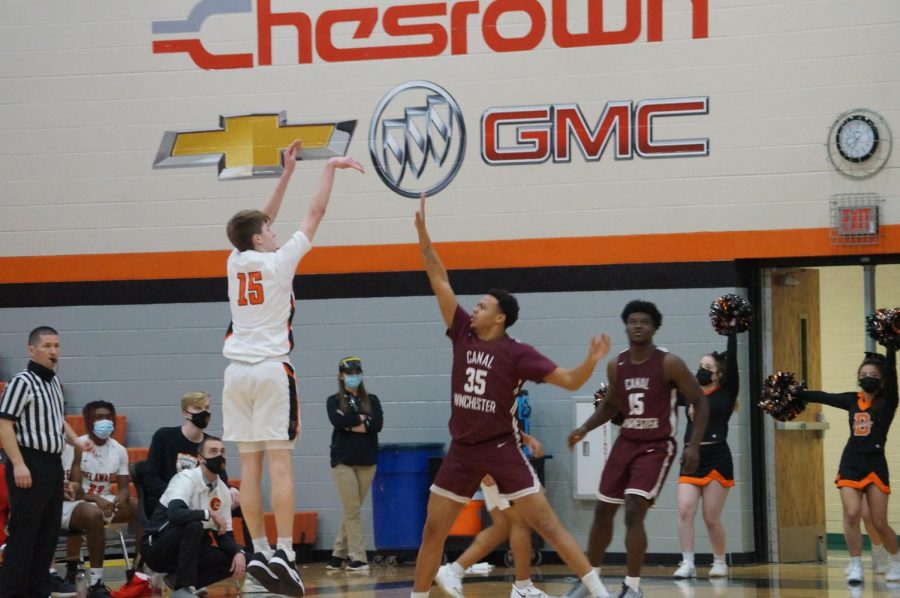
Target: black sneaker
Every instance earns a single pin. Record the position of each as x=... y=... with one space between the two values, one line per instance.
x=59 y=588
x=98 y=590
x=286 y=571
x=258 y=567
x=335 y=563
x=358 y=566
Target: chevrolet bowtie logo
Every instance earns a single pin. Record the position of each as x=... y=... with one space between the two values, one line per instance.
x=250 y=145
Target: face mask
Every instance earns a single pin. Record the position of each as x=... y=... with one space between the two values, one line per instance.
x=201 y=420
x=216 y=465
x=704 y=376
x=103 y=428
x=869 y=384
x=352 y=380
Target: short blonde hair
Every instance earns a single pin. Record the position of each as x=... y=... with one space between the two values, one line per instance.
x=194 y=398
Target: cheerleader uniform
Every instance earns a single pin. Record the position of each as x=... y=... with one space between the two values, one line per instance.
x=715 y=456
x=863 y=461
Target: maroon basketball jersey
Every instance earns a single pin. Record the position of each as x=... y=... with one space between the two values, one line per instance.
x=646 y=398
x=485 y=381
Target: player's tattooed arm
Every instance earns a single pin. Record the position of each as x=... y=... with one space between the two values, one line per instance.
x=434 y=267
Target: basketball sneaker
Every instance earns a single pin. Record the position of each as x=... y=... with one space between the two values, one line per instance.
x=685 y=570
x=358 y=566
x=854 y=573
x=286 y=572
x=718 y=569
x=629 y=592
x=893 y=572
x=335 y=563
x=530 y=592
x=449 y=581
x=258 y=567
x=881 y=560
x=136 y=588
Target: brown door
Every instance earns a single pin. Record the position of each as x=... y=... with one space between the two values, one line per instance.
x=799 y=483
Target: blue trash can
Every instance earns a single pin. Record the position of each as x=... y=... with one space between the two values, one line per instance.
x=400 y=494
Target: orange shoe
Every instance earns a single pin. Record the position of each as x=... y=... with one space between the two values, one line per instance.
x=136 y=588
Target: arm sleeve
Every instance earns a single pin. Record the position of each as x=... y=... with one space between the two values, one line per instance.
x=178 y=512
x=732 y=376
x=338 y=419
x=376 y=420
x=841 y=401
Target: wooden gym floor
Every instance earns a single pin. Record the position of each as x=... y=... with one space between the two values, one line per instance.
x=755 y=581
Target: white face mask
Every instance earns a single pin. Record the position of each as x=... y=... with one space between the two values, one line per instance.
x=103 y=428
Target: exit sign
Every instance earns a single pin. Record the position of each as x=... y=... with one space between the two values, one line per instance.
x=858 y=220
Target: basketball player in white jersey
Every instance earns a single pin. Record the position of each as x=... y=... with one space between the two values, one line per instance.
x=260 y=406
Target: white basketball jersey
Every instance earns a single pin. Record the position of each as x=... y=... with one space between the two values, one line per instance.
x=100 y=468
x=261 y=294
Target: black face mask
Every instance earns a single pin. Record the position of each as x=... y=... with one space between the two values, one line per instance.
x=869 y=384
x=216 y=465
x=704 y=376
x=201 y=420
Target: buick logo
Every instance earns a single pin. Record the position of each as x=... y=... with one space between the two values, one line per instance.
x=417 y=139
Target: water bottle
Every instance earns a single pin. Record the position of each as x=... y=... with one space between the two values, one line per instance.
x=81 y=582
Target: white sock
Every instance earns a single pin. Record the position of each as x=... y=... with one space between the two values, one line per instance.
x=856 y=560
x=523 y=584
x=633 y=582
x=419 y=595
x=261 y=545
x=457 y=569
x=287 y=545
x=96 y=575
x=687 y=557
x=592 y=582
x=879 y=549
x=719 y=557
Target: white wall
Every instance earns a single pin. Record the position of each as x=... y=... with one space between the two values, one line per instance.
x=84 y=103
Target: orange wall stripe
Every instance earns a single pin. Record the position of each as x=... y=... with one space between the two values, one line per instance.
x=462 y=255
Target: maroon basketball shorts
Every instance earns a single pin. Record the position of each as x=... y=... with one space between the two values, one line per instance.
x=636 y=467
x=465 y=464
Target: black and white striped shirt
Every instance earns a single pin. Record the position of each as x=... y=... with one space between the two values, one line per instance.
x=34 y=400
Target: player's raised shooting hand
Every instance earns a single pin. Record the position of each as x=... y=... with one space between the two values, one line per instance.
x=290 y=156
x=599 y=347
x=343 y=162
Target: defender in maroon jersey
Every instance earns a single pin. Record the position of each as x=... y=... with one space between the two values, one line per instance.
x=489 y=368
x=642 y=386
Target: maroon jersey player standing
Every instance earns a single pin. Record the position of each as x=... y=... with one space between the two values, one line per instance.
x=489 y=368
x=642 y=384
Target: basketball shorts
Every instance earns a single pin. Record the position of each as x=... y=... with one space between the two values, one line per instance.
x=716 y=465
x=858 y=470
x=636 y=467
x=69 y=507
x=466 y=464
x=260 y=402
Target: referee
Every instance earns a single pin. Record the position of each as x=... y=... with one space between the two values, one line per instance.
x=33 y=432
